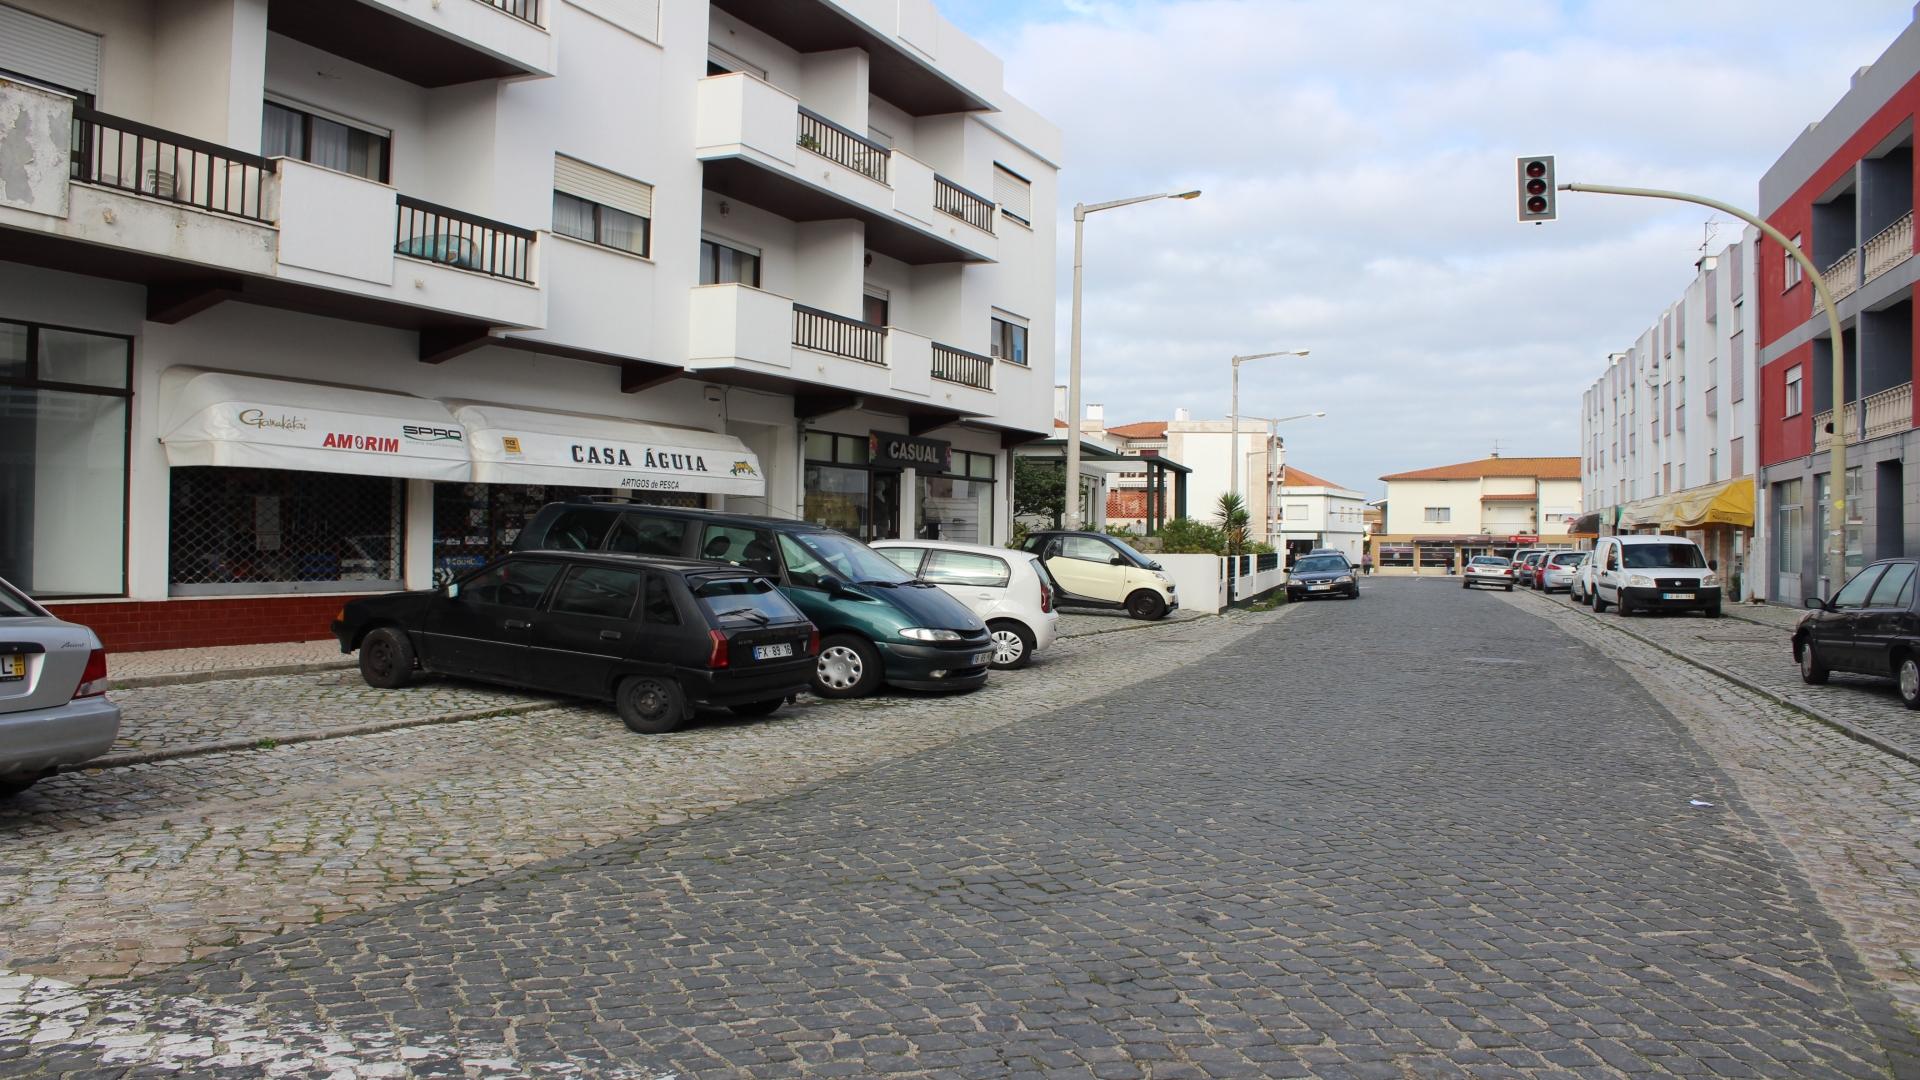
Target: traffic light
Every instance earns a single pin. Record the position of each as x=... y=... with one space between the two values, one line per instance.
x=1536 y=188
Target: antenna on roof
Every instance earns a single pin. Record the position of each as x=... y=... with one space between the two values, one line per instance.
x=1496 y=448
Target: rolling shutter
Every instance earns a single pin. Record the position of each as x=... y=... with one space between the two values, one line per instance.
x=721 y=58
x=598 y=185
x=47 y=51
x=1013 y=192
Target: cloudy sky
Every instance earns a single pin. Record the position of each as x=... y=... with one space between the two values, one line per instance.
x=1357 y=163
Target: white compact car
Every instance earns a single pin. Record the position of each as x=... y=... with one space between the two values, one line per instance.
x=1581 y=591
x=54 y=708
x=1010 y=590
x=1557 y=571
x=1653 y=573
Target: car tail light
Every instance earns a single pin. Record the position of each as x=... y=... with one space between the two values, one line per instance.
x=718 y=657
x=813 y=641
x=1046 y=598
x=93 y=681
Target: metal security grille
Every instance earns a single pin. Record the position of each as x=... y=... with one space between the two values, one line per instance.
x=273 y=530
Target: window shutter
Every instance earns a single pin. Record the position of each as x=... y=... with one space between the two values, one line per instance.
x=598 y=185
x=1013 y=192
x=54 y=52
x=720 y=57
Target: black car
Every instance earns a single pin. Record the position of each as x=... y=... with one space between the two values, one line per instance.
x=1869 y=627
x=1322 y=575
x=655 y=636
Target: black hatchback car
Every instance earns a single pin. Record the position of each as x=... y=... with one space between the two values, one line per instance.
x=1322 y=575
x=655 y=636
x=1868 y=628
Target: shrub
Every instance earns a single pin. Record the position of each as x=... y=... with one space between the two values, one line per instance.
x=1185 y=536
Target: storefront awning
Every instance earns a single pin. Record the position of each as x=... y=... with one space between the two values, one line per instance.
x=1729 y=502
x=220 y=418
x=1644 y=512
x=532 y=446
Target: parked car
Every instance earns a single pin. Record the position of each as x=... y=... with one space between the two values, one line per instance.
x=54 y=708
x=655 y=636
x=1555 y=572
x=1322 y=575
x=1488 y=570
x=1581 y=591
x=1525 y=562
x=1869 y=627
x=1095 y=570
x=1009 y=590
x=1328 y=551
x=877 y=625
x=1654 y=573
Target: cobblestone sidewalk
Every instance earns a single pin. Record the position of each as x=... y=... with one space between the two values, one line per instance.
x=160 y=667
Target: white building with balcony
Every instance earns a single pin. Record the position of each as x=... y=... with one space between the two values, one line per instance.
x=309 y=297
x=1667 y=431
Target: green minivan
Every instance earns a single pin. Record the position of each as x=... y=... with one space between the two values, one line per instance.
x=877 y=624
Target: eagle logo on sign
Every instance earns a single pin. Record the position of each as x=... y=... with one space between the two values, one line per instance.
x=743 y=468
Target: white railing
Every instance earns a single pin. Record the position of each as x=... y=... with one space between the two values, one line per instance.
x=1822 y=419
x=1889 y=411
x=1889 y=247
x=1843 y=277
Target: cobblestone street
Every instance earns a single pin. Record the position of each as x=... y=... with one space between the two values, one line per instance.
x=1342 y=839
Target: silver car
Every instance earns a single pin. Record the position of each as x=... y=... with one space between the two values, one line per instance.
x=53 y=693
x=1557 y=570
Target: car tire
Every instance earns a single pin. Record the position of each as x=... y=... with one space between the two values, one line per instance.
x=1906 y=675
x=1145 y=604
x=1466 y=584
x=1711 y=612
x=1626 y=609
x=1812 y=671
x=848 y=667
x=386 y=658
x=650 y=704
x=758 y=708
x=1599 y=605
x=1509 y=588
x=1013 y=644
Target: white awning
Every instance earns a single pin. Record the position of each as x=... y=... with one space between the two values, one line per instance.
x=218 y=418
x=529 y=446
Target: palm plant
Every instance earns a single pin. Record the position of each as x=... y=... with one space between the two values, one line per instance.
x=1232 y=517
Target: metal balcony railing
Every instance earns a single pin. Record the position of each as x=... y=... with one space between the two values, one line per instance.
x=1889 y=247
x=951 y=198
x=459 y=239
x=839 y=335
x=524 y=10
x=837 y=144
x=963 y=367
x=133 y=157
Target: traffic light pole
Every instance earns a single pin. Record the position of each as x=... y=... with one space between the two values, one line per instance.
x=1837 y=438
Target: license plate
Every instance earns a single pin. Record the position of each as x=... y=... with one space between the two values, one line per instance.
x=980 y=658
x=13 y=667
x=771 y=652
x=1318 y=588
x=1676 y=596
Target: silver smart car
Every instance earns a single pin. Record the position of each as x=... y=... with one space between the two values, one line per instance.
x=53 y=693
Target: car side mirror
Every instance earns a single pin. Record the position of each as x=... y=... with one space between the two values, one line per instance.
x=832 y=586
x=1713 y=564
x=1816 y=603
x=1116 y=561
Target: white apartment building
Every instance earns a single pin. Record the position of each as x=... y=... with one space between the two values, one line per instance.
x=1203 y=451
x=1667 y=432
x=1317 y=513
x=308 y=297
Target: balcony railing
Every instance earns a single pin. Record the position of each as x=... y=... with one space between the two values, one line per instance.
x=1889 y=247
x=951 y=198
x=839 y=335
x=1889 y=411
x=963 y=367
x=132 y=157
x=837 y=144
x=524 y=10
x=459 y=239
x=1843 y=277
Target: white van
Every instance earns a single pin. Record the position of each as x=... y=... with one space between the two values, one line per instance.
x=1653 y=573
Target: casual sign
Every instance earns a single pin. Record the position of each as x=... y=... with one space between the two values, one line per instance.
x=889 y=451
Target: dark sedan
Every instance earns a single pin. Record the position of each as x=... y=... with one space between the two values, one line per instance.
x=1869 y=628
x=1322 y=575
x=655 y=636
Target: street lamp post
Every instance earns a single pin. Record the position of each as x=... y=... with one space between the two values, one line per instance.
x=1070 y=513
x=1233 y=413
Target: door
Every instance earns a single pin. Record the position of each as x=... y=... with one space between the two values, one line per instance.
x=1084 y=566
x=1884 y=619
x=978 y=581
x=1606 y=580
x=884 y=522
x=586 y=630
x=482 y=626
x=1835 y=631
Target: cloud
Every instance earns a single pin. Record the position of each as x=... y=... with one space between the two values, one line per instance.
x=1357 y=161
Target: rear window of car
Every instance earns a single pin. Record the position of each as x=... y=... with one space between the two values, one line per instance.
x=15 y=606
x=1488 y=560
x=1568 y=558
x=743 y=599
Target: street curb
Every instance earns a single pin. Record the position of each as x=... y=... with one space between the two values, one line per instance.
x=1843 y=727
x=179 y=678
x=269 y=742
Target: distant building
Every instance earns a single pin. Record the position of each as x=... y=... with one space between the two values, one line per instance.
x=1316 y=513
x=1437 y=517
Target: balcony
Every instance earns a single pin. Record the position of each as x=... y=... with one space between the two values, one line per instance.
x=1889 y=247
x=1842 y=278
x=441 y=43
x=761 y=147
x=914 y=61
x=961 y=367
x=1888 y=412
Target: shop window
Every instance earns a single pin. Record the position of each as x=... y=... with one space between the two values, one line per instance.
x=605 y=592
x=277 y=530
x=958 y=506
x=1392 y=555
x=63 y=460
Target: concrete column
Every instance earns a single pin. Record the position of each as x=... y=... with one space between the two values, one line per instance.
x=417 y=535
x=834 y=84
x=830 y=266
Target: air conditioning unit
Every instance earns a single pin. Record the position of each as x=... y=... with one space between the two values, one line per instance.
x=994 y=350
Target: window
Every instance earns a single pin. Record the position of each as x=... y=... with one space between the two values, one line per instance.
x=751 y=548
x=601 y=207
x=873 y=306
x=1009 y=339
x=962 y=568
x=1085 y=549
x=1788 y=518
x=1737 y=366
x=722 y=62
x=1895 y=588
x=907 y=559
x=1854 y=593
x=724 y=264
x=658 y=609
x=286 y=131
x=1014 y=193
x=605 y=592
x=643 y=534
x=516 y=583
x=1793 y=392
x=1737 y=457
x=1790 y=273
x=1440 y=514
x=578 y=530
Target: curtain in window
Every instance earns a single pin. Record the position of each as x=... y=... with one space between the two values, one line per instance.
x=623 y=230
x=281 y=133
x=572 y=217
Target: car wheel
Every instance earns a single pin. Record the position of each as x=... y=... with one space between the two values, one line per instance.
x=386 y=658
x=848 y=668
x=1012 y=644
x=1908 y=675
x=1146 y=604
x=1599 y=605
x=758 y=708
x=1812 y=670
x=650 y=704
x=1626 y=610
x=1466 y=584
x=1712 y=612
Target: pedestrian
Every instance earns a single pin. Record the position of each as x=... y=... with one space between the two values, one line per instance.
x=1366 y=564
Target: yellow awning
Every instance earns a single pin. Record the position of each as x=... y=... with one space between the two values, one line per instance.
x=1729 y=502
x=1646 y=511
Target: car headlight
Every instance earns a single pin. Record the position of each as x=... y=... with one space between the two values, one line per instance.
x=922 y=633
x=1343 y=579
x=1710 y=581
x=1639 y=581
x=1164 y=579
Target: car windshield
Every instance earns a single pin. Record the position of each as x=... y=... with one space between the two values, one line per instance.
x=1321 y=564
x=1662 y=556
x=744 y=599
x=1138 y=558
x=850 y=558
x=1488 y=560
x=15 y=606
